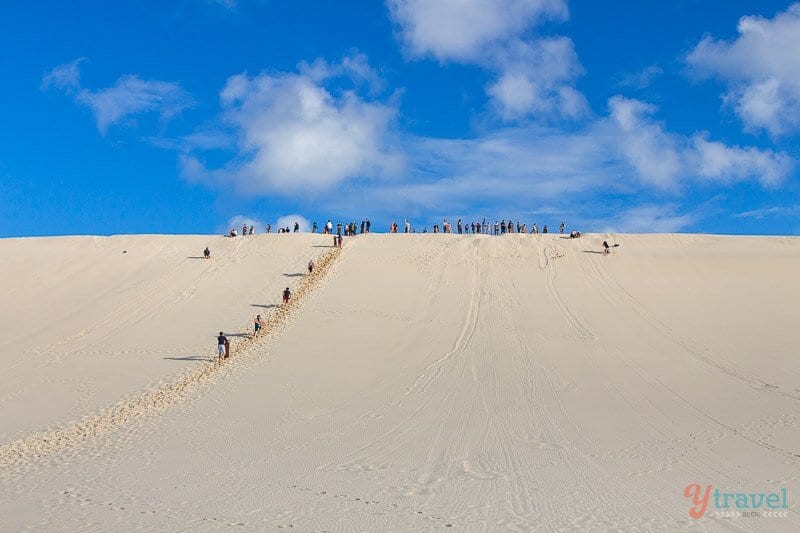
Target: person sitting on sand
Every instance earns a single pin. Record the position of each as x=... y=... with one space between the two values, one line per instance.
x=574 y=234
x=310 y=266
x=207 y=253
x=233 y=232
x=286 y=295
x=257 y=324
x=222 y=342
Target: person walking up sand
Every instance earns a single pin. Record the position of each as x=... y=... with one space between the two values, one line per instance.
x=286 y=295
x=561 y=227
x=207 y=253
x=252 y=230
x=223 y=346
x=310 y=266
x=257 y=324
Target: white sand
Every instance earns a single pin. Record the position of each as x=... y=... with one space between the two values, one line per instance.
x=423 y=381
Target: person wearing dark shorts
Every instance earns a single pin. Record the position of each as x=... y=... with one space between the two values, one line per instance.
x=286 y=295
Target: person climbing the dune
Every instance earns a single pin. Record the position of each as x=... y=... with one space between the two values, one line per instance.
x=222 y=345
x=286 y=295
x=257 y=324
x=207 y=253
x=310 y=266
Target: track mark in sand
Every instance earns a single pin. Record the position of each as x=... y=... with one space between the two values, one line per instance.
x=431 y=371
x=627 y=299
x=546 y=257
x=61 y=438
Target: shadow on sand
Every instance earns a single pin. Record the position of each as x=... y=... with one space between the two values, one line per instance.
x=593 y=252
x=192 y=358
x=295 y=275
x=195 y=257
x=269 y=306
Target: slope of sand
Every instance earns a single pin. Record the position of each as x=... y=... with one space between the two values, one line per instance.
x=422 y=382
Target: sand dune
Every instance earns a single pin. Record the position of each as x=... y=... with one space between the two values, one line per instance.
x=419 y=382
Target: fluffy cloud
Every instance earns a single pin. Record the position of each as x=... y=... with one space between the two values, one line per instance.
x=665 y=160
x=295 y=136
x=762 y=69
x=463 y=29
x=534 y=77
x=288 y=221
x=129 y=96
x=239 y=220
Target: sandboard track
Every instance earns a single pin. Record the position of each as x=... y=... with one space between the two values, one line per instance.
x=615 y=293
x=21 y=452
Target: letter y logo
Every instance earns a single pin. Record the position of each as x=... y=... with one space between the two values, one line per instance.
x=700 y=502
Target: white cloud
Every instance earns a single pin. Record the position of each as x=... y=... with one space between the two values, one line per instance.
x=717 y=161
x=239 y=220
x=464 y=29
x=288 y=221
x=534 y=76
x=66 y=77
x=651 y=219
x=129 y=96
x=132 y=95
x=762 y=69
x=666 y=160
x=297 y=137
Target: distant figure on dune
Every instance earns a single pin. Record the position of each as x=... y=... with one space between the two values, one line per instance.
x=269 y=228
x=575 y=235
x=257 y=324
x=339 y=241
x=244 y=230
x=207 y=253
x=233 y=232
x=607 y=247
x=252 y=230
x=314 y=227
x=561 y=227
x=223 y=346
x=535 y=229
x=296 y=227
x=310 y=266
x=408 y=226
x=368 y=225
x=286 y=295
x=544 y=229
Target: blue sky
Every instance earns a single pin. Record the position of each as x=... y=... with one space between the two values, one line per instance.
x=193 y=115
